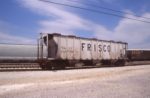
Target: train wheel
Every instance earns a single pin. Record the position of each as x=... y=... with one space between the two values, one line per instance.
x=99 y=64
x=120 y=63
x=79 y=65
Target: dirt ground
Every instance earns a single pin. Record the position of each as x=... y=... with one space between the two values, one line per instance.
x=110 y=82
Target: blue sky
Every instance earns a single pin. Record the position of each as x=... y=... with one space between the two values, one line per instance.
x=21 y=21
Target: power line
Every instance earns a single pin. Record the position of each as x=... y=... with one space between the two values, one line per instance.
x=92 y=10
x=98 y=6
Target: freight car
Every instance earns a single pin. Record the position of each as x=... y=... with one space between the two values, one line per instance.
x=138 y=54
x=20 y=56
x=75 y=51
x=10 y=53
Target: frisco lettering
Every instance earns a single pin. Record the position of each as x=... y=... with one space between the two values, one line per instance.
x=99 y=47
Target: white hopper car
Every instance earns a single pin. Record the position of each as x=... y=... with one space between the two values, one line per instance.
x=61 y=51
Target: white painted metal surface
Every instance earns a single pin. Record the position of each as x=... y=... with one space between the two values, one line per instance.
x=17 y=51
x=76 y=48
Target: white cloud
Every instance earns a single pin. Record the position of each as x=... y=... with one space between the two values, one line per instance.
x=62 y=21
x=136 y=33
x=7 y=34
x=8 y=38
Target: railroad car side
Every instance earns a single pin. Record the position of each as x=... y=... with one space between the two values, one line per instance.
x=138 y=54
x=18 y=53
x=77 y=49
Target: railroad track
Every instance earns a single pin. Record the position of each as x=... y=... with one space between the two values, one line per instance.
x=32 y=66
x=36 y=66
x=19 y=66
